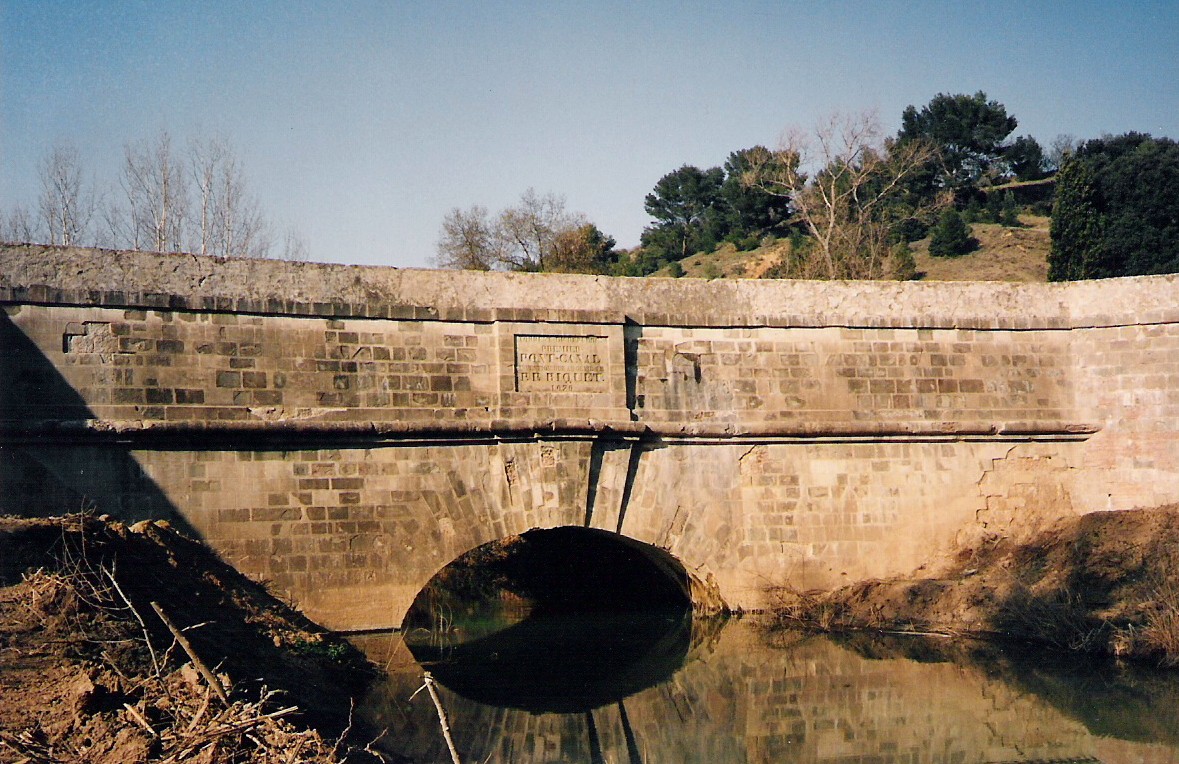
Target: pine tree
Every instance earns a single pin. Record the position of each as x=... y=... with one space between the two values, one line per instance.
x=1010 y=215
x=951 y=236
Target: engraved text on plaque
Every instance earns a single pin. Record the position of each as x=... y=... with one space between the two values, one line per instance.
x=561 y=364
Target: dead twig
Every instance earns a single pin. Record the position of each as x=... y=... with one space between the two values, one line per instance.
x=155 y=663
x=337 y=748
x=442 y=720
x=209 y=676
x=368 y=747
x=138 y=719
x=200 y=712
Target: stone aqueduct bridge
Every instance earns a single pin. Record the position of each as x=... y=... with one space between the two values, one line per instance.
x=345 y=432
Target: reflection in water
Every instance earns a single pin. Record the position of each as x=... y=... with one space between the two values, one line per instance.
x=563 y=663
x=741 y=697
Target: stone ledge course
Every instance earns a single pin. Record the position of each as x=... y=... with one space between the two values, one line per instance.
x=159 y=281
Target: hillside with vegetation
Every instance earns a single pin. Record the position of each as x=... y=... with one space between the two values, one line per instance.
x=842 y=201
x=953 y=195
x=1016 y=254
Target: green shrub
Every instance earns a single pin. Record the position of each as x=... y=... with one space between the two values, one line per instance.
x=951 y=236
x=1117 y=210
x=1010 y=214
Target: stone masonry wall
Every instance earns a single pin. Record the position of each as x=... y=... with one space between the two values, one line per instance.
x=134 y=365
x=832 y=376
x=345 y=432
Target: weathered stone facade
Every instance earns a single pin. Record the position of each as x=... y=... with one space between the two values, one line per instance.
x=344 y=432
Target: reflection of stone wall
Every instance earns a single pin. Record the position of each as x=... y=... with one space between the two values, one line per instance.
x=746 y=702
x=344 y=432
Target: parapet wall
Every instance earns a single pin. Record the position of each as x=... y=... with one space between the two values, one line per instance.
x=272 y=342
x=187 y=282
x=346 y=431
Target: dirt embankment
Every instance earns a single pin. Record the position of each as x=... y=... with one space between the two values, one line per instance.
x=1106 y=582
x=91 y=669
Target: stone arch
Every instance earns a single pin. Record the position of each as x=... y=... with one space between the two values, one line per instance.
x=592 y=567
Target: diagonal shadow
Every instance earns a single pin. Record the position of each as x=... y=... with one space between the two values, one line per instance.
x=45 y=472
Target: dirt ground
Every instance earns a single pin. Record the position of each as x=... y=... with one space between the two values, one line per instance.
x=1106 y=582
x=91 y=671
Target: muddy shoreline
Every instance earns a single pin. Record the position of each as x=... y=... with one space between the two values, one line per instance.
x=1105 y=583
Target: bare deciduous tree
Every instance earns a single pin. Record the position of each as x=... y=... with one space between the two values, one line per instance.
x=114 y=227
x=846 y=186
x=468 y=241
x=150 y=206
x=531 y=229
x=294 y=246
x=18 y=226
x=66 y=205
x=157 y=195
x=206 y=158
x=529 y=236
x=1063 y=146
x=227 y=219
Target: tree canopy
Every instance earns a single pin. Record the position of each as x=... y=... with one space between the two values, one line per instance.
x=1117 y=209
x=750 y=210
x=968 y=132
x=1026 y=160
x=685 y=205
x=695 y=209
x=535 y=234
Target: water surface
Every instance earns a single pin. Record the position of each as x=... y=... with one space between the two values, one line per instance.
x=662 y=689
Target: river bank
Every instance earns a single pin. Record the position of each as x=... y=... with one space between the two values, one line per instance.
x=1101 y=583
x=137 y=644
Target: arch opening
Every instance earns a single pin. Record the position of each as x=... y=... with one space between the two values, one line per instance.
x=554 y=620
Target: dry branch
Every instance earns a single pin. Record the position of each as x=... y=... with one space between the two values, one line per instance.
x=209 y=676
x=442 y=720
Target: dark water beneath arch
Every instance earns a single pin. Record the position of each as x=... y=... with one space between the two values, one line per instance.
x=657 y=688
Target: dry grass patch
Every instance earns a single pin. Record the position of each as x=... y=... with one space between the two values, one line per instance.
x=1004 y=254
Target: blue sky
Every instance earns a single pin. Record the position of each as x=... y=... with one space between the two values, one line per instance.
x=362 y=123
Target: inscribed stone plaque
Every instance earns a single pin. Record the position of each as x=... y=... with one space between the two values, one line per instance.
x=561 y=364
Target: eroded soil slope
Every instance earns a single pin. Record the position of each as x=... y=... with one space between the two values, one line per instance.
x=91 y=672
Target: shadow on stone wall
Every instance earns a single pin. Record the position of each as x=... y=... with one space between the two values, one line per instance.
x=47 y=471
